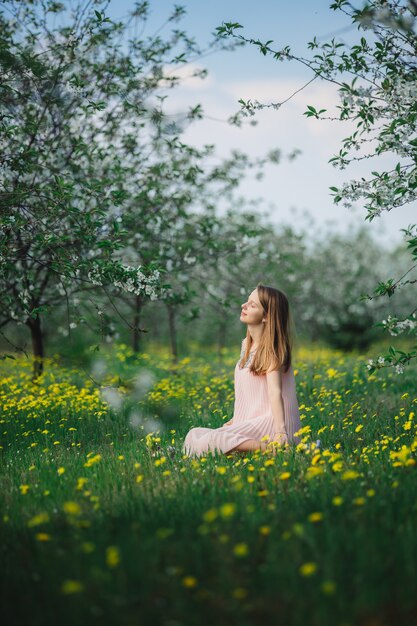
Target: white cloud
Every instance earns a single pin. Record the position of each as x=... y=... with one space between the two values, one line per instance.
x=303 y=183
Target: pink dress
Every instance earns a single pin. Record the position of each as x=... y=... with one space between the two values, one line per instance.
x=252 y=417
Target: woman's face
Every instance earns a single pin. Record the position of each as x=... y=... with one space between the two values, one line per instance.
x=252 y=312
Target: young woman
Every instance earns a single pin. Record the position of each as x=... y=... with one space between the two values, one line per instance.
x=265 y=393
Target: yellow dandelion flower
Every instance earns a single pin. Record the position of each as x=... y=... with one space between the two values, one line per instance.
x=359 y=501
x=328 y=587
x=121 y=457
x=264 y=530
x=337 y=500
x=24 y=489
x=43 y=537
x=298 y=529
x=350 y=475
x=92 y=460
x=41 y=518
x=189 y=581
x=241 y=549
x=251 y=479
x=370 y=493
x=239 y=593
x=403 y=456
x=139 y=478
x=72 y=508
x=71 y=586
x=80 y=483
x=263 y=492
x=228 y=509
x=315 y=517
x=307 y=569
x=60 y=470
x=210 y=515
x=221 y=469
x=285 y=475
x=314 y=470
x=112 y=556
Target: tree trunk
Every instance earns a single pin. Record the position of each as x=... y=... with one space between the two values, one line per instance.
x=222 y=337
x=172 y=333
x=136 y=320
x=37 y=345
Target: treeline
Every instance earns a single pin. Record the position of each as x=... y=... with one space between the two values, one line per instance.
x=326 y=282
x=110 y=227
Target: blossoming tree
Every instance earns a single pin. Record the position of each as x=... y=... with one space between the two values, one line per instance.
x=78 y=114
x=376 y=82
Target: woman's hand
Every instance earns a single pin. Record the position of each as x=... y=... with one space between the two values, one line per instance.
x=280 y=437
x=229 y=423
x=278 y=440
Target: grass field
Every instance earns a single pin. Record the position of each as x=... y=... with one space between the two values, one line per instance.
x=104 y=520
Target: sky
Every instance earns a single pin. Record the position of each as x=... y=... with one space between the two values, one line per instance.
x=293 y=192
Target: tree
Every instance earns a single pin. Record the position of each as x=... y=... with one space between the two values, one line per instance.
x=78 y=110
x=176 y=205
x=331 y=304
x=375 y=78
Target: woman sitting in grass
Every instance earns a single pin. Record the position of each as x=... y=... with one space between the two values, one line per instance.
x=266 y=406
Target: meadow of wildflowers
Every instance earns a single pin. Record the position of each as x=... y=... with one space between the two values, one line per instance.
x=105 y=519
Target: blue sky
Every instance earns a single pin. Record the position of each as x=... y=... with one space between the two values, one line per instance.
x=283 y=22
x=290 y=192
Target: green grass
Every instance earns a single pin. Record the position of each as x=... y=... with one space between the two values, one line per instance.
x=153 y=537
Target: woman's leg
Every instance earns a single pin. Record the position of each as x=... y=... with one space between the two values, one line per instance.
x=249 y=445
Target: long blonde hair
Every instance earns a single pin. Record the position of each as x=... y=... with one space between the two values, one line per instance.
x=275 y=345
